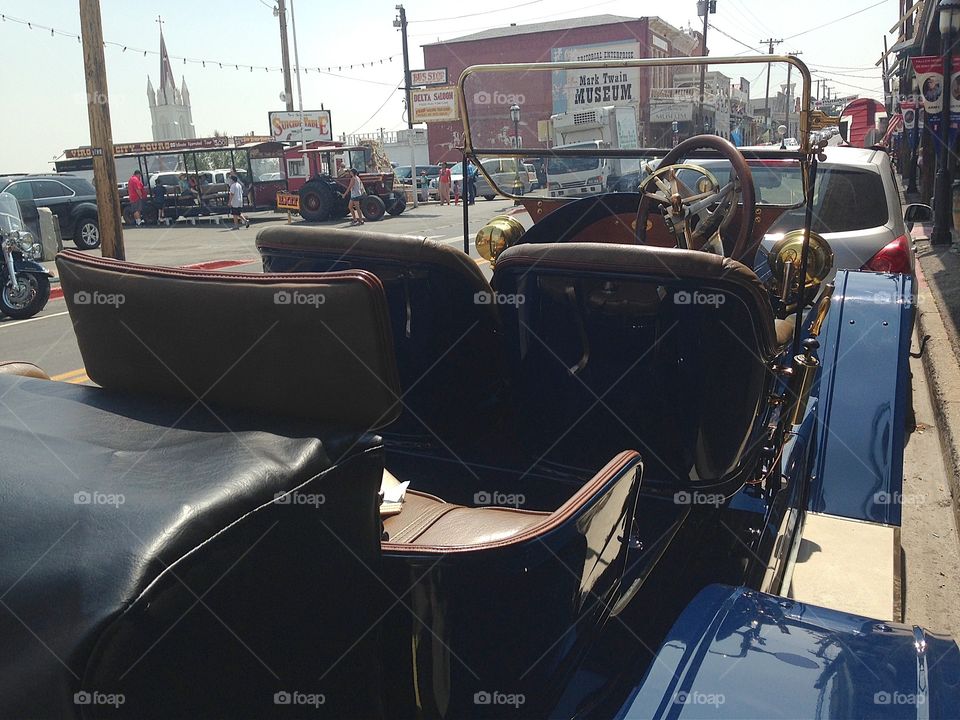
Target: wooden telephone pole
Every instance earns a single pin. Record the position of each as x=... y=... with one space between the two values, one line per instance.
x=101 y=136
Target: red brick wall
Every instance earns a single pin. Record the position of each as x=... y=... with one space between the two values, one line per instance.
x=491 y=121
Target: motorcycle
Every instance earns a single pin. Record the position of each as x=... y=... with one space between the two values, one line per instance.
x=25 y=282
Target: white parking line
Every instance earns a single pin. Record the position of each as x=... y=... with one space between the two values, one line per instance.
x=14 y=323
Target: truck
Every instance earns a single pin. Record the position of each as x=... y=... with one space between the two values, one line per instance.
x=606 y=127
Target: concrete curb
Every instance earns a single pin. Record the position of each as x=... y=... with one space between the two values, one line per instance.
x=943 y=379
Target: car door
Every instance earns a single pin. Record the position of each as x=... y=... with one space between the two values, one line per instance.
x=56 y=196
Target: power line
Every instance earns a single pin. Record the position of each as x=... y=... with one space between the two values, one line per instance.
x=726 y=34
x=525 y=21
x=755 y=20
x=204 y=62
x=390 y=95
x=835 y=20
x=485 y=12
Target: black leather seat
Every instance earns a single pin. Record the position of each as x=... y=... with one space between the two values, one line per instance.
x=174 y=540
x=619 y=346
x=446 y=329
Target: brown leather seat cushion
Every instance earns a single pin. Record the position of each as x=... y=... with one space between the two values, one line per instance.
x=429 y=524
x=428 y=520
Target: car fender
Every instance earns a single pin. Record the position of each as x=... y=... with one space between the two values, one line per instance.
x=737 y=653
x=85 y=209
x=863 y=392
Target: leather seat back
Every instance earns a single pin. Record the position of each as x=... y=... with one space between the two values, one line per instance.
x=446 y=328
x=295 y=345
x=660 y=349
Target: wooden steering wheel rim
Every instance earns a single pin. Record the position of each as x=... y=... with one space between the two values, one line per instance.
x=744 y=247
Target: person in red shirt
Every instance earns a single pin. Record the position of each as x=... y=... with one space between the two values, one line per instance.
x=137 y=195
x=444 y=184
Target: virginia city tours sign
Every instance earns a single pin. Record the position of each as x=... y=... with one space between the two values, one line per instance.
x=584 y=88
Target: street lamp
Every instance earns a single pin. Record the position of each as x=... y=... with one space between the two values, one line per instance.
x=943 y=220
x=515 y=117
x=915 y=145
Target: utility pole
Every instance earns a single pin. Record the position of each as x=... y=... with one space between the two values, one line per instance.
x=766 y=101
x=285 y=53
x=704 y=7
x=101 y=136
x=401 y=23
x=296 y=59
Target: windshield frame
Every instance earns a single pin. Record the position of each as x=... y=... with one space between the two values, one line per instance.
x=808 y=119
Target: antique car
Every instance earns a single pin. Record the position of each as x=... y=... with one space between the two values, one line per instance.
x=623 y=478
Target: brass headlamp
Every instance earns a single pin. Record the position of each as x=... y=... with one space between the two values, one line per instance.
x=784 y=260
x=497 y=235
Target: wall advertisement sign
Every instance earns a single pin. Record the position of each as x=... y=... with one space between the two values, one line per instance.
x=584 y=88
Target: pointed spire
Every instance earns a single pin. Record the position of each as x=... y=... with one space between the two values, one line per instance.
x=151 y=95
x=166 y=73
x=184 y=93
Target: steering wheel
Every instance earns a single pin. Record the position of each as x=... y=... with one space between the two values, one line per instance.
x=700 y=218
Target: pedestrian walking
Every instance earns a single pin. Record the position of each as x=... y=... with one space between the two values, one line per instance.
x=159 y=197
x=236 y=203
x=355 y=191
x=137 y=195
x=443 y=184
x=471 y=177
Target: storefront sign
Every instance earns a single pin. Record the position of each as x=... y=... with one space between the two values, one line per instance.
x=672 y=112
x=426 y=78
x=285 y=126
x=437 y=105
x=583 y=88
x=149 y=148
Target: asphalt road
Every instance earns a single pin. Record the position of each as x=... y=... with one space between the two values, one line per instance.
x=929 y=536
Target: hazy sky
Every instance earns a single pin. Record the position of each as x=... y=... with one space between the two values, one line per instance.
x=44 y=93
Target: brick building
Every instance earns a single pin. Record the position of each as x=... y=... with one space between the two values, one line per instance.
x=541 y=94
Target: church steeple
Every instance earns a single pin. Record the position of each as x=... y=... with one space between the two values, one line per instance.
x=169 y=107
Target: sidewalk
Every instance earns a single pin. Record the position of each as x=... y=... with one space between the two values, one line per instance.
x=938 y=316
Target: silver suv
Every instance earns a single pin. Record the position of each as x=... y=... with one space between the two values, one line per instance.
x=856 y=206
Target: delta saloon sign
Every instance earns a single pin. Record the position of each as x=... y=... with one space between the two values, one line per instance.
x=578 y=89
